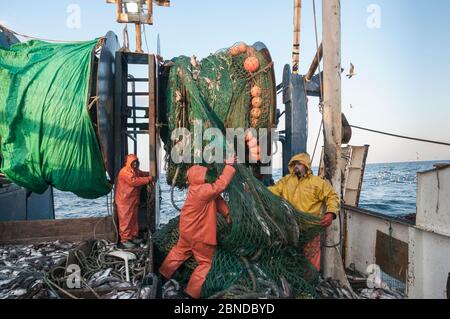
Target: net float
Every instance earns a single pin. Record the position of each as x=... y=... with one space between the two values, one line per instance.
x=255 y=158
x=249 y=136
x=242 y=47
x=234 y=51
x=255 y=113
x=251 y=64
x=256 y=91
x=251 y=51
x=254 y=122
x=255 y=150
x=252 y=143
x=257 y=102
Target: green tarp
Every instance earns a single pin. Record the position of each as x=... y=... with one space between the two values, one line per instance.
x=47 y=136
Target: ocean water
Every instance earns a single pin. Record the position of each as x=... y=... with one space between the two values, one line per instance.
x=387 y=188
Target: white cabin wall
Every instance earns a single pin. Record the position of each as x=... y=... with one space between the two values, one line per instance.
x=429 y=255
x=361 y=238
x=429 y=265
x=433 y=201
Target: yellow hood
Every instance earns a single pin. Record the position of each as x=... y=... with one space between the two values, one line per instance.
x=304 y=159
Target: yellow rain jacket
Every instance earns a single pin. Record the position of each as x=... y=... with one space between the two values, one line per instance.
x=309 y=193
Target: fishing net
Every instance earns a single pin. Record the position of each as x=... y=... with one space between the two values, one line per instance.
x=216 y=93
x=261 y=253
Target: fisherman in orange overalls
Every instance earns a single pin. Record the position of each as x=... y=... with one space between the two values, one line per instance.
x=127 y=196
x=198 y=226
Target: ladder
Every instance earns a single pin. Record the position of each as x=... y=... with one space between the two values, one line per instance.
x=352 y=164
x=136 y=114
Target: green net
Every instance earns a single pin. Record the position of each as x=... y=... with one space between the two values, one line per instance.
x=217 y=93
x=261 y=254
x=46 y=133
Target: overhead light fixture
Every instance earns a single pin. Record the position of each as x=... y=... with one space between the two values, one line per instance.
x=133 y=7
x=137 y=12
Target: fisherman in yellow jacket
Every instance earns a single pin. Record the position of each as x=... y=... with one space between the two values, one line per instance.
x=308 y=193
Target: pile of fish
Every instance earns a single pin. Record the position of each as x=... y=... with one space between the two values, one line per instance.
x=172 y=290
x=333 y=289
x=381 y=293
x=23 y=269
x=106 y=275
x=39 y=271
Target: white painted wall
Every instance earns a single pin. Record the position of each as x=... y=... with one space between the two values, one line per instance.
x=429 y=265
x=433 y=201
x=361 y=238
x=429 y=241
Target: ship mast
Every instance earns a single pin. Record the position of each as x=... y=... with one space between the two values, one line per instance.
x=331 y=15
x=296 y=48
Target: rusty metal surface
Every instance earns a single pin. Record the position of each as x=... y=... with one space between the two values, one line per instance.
x=105 y=92
x=71 y=230
x=391 y=255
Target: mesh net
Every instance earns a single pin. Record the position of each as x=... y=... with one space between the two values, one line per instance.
x=261 y=253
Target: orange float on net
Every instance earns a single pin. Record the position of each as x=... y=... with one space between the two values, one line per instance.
x=234 y=51
x=252 y=143
x=255 y=113
x=251 y=64
x=256 y=91
x=254 y=158
x=254 y=154
x=242 y=47
x=255 y=150
x=253 y=122
x=257 y=102
x=248 y=136
x=251 y=51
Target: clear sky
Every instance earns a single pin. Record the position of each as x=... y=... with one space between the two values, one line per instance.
x=401 y=56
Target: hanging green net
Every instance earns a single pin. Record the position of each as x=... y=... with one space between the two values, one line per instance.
x=216 y=92
x=46 y=133
x=261 y=253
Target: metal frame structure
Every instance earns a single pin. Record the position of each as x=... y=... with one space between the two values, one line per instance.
x=126 y=126
x=296 y=89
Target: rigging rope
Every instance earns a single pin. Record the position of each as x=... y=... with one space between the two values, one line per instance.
x=320 y=79
x=35 y=38
x=401 y=136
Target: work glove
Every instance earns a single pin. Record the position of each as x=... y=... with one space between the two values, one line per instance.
x=327 y=220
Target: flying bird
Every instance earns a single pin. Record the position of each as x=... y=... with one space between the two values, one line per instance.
x=352 y=71
x=194 y=62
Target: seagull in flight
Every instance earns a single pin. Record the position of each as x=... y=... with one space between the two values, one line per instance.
x=352 y=71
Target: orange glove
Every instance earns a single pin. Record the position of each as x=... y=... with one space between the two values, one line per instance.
x=327 y=220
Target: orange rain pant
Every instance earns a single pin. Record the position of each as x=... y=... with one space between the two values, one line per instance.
x=312 y=252
x=128 y=221
x=183 y=250
x=129 y=184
